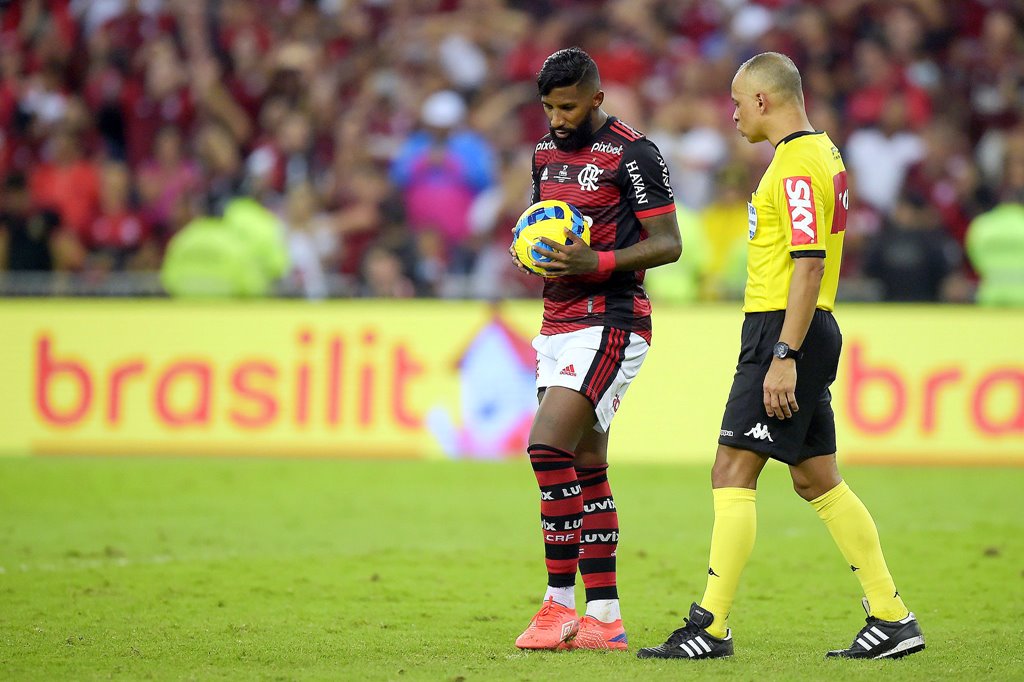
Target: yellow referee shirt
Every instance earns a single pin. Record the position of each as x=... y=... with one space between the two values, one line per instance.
x=798 y=210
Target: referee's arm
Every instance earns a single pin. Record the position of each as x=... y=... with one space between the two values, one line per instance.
x=780 y=381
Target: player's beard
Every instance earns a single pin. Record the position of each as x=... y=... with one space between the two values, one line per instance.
x=578 y=137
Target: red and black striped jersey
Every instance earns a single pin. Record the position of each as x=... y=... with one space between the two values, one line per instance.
x=617 y=179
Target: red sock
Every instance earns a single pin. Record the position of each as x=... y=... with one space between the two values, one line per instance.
x=600 y=535
x=561 y=512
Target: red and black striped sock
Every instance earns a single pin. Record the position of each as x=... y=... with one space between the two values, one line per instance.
x=600 y=535
x=561 y=512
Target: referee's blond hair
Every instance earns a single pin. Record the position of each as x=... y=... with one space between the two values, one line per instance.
x=776 y=73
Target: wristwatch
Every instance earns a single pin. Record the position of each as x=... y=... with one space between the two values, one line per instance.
x=782 y=351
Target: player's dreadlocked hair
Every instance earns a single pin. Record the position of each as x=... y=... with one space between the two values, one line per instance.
x=567 y=67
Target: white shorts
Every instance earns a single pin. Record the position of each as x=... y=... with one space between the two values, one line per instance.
x=599 y=362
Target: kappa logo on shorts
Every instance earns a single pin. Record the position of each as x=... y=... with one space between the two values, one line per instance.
x=568 y=371
x=760 y=432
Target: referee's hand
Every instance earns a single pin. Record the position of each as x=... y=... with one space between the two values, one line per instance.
x=780 y=389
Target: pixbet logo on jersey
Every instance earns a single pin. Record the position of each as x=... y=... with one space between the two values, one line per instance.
x=800 y=198
x=606 y=148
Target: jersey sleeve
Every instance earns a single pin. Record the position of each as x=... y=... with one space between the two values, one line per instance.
x=645 y=180
x=801 y=199
x=535 y=185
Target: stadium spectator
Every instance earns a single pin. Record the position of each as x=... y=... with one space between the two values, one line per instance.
x=383 y=275
x=161 y=96
x=881 y=155
x=118 y=232
x=166 y=177
x=67 y=182
x=267 y=95
x=312 y=241
x=995 y=243
x=441 y=169
x=724 y=228
x=913 y=256
x=26 y=236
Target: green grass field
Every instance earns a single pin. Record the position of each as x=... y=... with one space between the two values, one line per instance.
x=235 y=569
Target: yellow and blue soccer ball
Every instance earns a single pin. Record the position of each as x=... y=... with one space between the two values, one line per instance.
x=549 y=218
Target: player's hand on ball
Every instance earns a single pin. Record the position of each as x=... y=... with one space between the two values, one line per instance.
x=574 y=258
x=518 y=263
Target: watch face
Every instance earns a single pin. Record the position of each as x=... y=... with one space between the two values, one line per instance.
x=780 y=350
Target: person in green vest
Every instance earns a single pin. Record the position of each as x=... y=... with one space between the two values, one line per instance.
x=680 y=282
x=995 y=244
x=238 y=255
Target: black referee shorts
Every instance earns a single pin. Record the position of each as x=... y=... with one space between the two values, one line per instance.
x=809 y=432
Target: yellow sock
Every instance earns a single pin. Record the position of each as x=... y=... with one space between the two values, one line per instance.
x=853 y=529
x=732 y=540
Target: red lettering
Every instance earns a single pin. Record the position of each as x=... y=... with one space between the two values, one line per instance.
x=932 y=386
x=117 y=377
x=842 y=193
x=199 y=412
x=1014 y=423
x=860 y=376
x=302 y=384
x=406 y=368
x=47 y=370
x=266 y=405
x=334 y=382
x=366 y=384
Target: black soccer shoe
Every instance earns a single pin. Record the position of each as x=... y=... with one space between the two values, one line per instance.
x=884 y=638
x=692 y=640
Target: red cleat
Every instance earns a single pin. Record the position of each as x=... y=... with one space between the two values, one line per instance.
x=553 y=625
x=594 y=634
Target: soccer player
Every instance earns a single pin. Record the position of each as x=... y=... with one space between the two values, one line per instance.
x=779 y=406
x=594 y=336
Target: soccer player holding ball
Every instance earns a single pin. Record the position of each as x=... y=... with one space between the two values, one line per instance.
x=780 y=406
x=594 y=336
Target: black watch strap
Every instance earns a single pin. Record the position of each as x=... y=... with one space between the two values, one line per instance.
x=783 y=351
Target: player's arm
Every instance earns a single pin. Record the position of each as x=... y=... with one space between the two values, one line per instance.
x=802 y=209
x=662 y=245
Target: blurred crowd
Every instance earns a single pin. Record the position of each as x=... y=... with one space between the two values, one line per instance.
x=392 y=138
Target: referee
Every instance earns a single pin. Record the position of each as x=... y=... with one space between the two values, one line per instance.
x=780 y=405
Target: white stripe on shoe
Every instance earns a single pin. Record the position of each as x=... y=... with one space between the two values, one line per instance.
x=878 y=633
x=700 y=640
x=868 y=636
x=863 y=643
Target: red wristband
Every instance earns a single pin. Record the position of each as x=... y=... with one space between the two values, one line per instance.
x=605 y=261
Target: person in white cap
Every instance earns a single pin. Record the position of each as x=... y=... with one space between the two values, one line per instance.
x=441 y=169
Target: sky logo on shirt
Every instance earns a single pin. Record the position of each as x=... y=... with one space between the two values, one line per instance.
x=800 y=198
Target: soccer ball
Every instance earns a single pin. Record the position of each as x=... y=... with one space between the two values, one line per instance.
x=549 y=218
